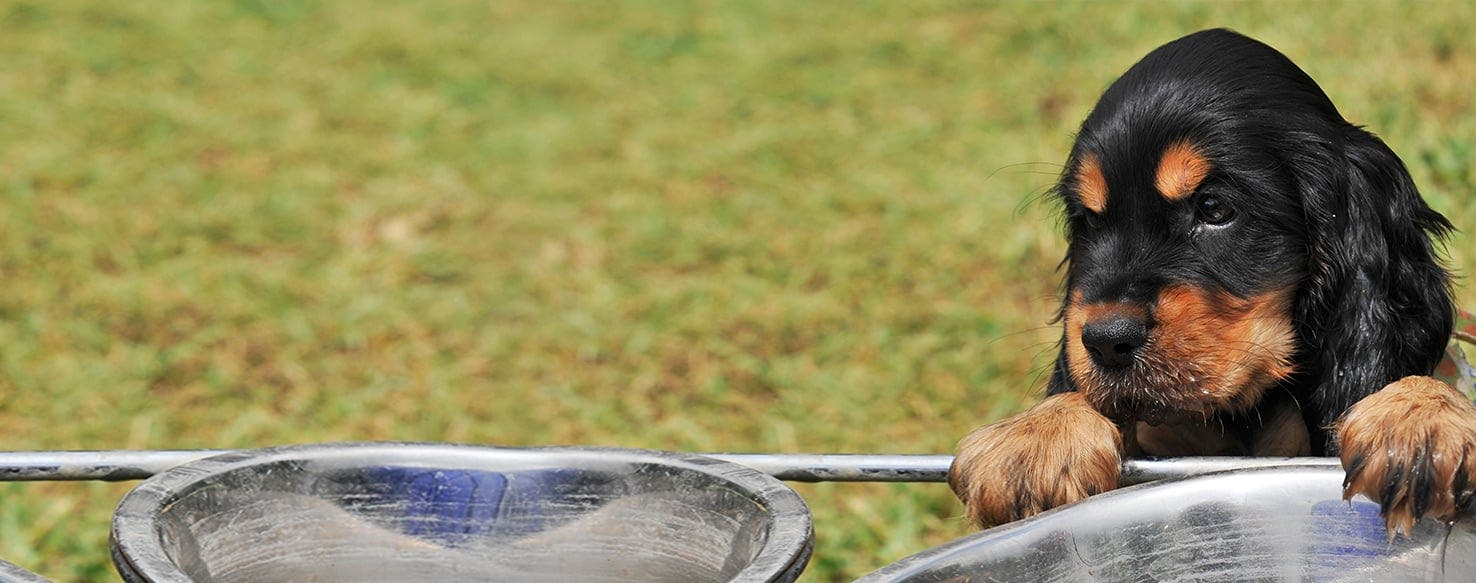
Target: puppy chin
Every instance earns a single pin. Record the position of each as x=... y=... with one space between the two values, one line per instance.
x=1158 y=415
x=1172 y=395
x=1128 y=408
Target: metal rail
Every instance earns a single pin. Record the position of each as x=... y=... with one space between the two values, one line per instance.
x=124 y=465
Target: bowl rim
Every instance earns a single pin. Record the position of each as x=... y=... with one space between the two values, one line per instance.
x=1326 y=476
x=138 y=552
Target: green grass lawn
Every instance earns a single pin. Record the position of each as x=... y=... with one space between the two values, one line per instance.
x=738 y=226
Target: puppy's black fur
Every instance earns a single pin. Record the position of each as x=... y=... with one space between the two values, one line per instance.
x=1248 y=273
x=1316 y=204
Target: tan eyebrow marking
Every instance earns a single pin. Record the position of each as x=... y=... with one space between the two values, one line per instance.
x=1091 y=186
x=1180 y=170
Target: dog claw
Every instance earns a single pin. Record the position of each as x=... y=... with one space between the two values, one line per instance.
x=1419 y=432
x=1353 y=467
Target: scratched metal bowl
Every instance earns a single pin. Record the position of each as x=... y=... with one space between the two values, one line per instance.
x=413 y=512
x=1271 y=524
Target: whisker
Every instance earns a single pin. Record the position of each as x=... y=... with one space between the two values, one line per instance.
x=991 y=174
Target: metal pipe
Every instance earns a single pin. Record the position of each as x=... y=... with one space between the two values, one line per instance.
x=1139 y=471
x=106 y=465
x=123 y=465
x=844 y=467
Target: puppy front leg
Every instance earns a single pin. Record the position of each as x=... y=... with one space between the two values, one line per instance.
x=1058 y=452
x=1410 y=448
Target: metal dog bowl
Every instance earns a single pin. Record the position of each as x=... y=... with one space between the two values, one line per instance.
x=409 y=512
x=1268 y=524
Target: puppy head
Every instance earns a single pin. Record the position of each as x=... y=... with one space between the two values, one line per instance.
x=1188 y=242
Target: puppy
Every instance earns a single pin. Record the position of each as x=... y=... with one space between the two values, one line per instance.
x=1247 y=274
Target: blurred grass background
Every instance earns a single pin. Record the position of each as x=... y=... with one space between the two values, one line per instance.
x=748 y=226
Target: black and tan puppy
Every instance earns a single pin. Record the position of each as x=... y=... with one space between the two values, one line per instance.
x=1247 y=274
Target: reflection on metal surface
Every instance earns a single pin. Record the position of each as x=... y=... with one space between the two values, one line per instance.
x=1266 y=524
x=410 y=512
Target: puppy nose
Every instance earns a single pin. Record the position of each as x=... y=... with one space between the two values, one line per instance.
x=1114 y=339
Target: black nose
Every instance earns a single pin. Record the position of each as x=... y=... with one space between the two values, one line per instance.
x=1113 y=340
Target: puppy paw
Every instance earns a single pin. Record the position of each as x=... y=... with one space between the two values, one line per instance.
x=1058 y=452
x=1409 y=447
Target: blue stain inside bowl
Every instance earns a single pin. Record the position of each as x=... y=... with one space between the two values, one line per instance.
x=452 y=507
x=1349 y=530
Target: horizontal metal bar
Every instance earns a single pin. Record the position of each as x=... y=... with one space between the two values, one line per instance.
x=106 y=465
x=1138 y=471
x=798 y=467
x=844 y=467
x=123 y=465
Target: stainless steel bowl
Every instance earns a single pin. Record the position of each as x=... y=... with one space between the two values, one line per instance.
x=413 y=512
x=1268 y=524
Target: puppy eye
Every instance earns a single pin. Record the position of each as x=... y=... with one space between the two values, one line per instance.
x=1213 y=211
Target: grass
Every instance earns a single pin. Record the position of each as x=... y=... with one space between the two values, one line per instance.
x=755 y=226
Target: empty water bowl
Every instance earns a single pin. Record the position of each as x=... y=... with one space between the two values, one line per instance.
x=1268 y=524
x=420 y=512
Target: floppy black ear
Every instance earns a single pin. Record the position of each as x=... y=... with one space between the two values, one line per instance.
x=1377 y=305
